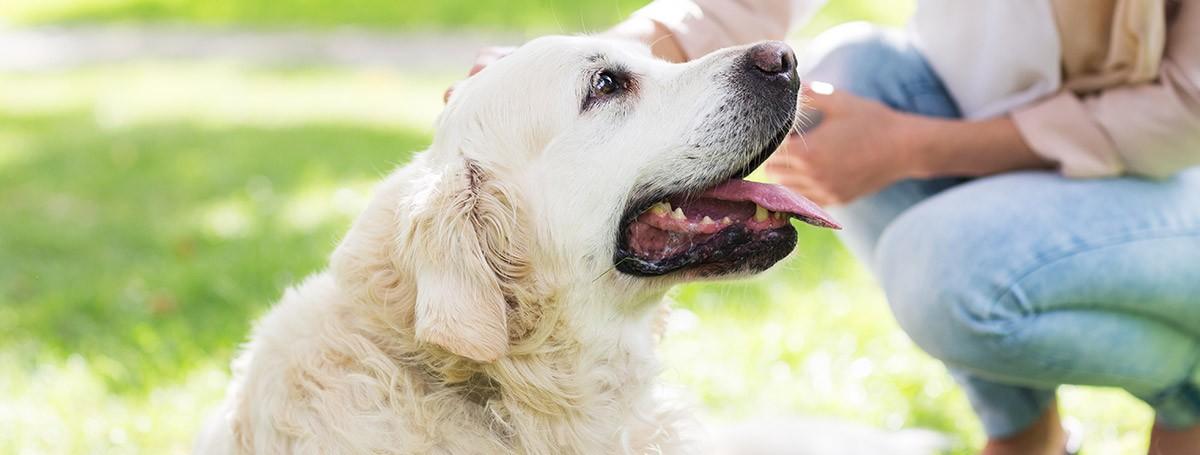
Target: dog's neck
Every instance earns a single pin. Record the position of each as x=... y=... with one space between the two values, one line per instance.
x=589 y=375
x=579 y=330
x=592 y=374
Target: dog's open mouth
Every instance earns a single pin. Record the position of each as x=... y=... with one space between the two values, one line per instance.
x=735 y=226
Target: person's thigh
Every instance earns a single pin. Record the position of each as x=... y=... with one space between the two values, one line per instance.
x=1034 y=280
x=881 y=65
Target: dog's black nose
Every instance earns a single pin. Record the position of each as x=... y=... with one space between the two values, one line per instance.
x=773 y=58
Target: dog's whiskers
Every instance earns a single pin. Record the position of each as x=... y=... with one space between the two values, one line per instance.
x=610 y=269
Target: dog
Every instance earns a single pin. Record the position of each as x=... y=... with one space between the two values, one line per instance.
x=500 y=292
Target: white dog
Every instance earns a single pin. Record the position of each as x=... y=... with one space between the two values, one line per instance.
x=499 y=293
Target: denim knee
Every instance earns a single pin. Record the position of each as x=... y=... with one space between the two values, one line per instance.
x=1093 y=295
x=1026 y=281
x=947 y=292
x=882 y=65
x=941 y=278
x=930 y=261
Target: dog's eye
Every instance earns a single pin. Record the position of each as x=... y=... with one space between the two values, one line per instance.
x=605 y=83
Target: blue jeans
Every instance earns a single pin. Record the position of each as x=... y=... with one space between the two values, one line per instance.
x=1023 y=281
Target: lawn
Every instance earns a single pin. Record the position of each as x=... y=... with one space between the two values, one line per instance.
x=528 y=15
x=151 y=210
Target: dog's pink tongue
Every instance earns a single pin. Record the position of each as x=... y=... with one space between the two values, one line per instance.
x=775 y=198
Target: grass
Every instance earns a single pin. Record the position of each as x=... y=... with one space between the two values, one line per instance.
x=151 y=211
x=530 y=15
x=140 y=235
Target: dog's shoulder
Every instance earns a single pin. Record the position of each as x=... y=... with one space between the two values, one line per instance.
x=309 y=381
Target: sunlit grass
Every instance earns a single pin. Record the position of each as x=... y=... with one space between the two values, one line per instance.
x=216 y=95
x=532 y=16
x=152 y=211
x=546 y=15
x=63 y=406
x=814 y=337
x=136 y=249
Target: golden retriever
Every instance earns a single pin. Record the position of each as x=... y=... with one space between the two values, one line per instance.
x=499 y=294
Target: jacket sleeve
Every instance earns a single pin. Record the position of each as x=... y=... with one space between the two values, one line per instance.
x=1150 y=129
x=702 y=26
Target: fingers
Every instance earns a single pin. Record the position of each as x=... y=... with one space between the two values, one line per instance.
x=446 y=96
x=792 y=145
x=820 y=96
x=791 y=167
x=808 y=188
x=477 y=67
x=485 y=57
x=824 y=97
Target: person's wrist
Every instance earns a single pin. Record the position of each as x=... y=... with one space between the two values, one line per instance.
x=916 y=135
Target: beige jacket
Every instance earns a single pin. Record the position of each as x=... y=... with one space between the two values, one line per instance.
x=1120 y=90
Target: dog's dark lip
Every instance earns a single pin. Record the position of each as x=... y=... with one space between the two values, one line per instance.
x=758 y=250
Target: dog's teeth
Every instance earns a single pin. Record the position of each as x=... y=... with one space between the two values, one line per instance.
x=760 y=213
x=706 y=220
x=678 y=214
x=779 y=215
x=660 y=209
x=726 y=220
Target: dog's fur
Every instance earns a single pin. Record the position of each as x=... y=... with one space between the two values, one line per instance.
x=473 y=307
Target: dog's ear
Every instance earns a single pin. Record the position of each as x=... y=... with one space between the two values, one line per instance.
x=470 y=250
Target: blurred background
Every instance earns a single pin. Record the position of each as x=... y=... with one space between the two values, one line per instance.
x=168 y=167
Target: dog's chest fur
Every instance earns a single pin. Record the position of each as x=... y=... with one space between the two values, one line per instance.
x=320 y=378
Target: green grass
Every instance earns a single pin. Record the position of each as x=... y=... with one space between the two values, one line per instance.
x=142 y=231
x=528 y=15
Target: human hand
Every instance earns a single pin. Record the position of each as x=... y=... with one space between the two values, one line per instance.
x=859 y=147
x=489 y=55
x=485 y=57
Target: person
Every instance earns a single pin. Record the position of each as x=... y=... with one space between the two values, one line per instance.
x=1018 y=177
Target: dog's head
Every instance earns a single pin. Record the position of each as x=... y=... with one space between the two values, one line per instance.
x=575 y=157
